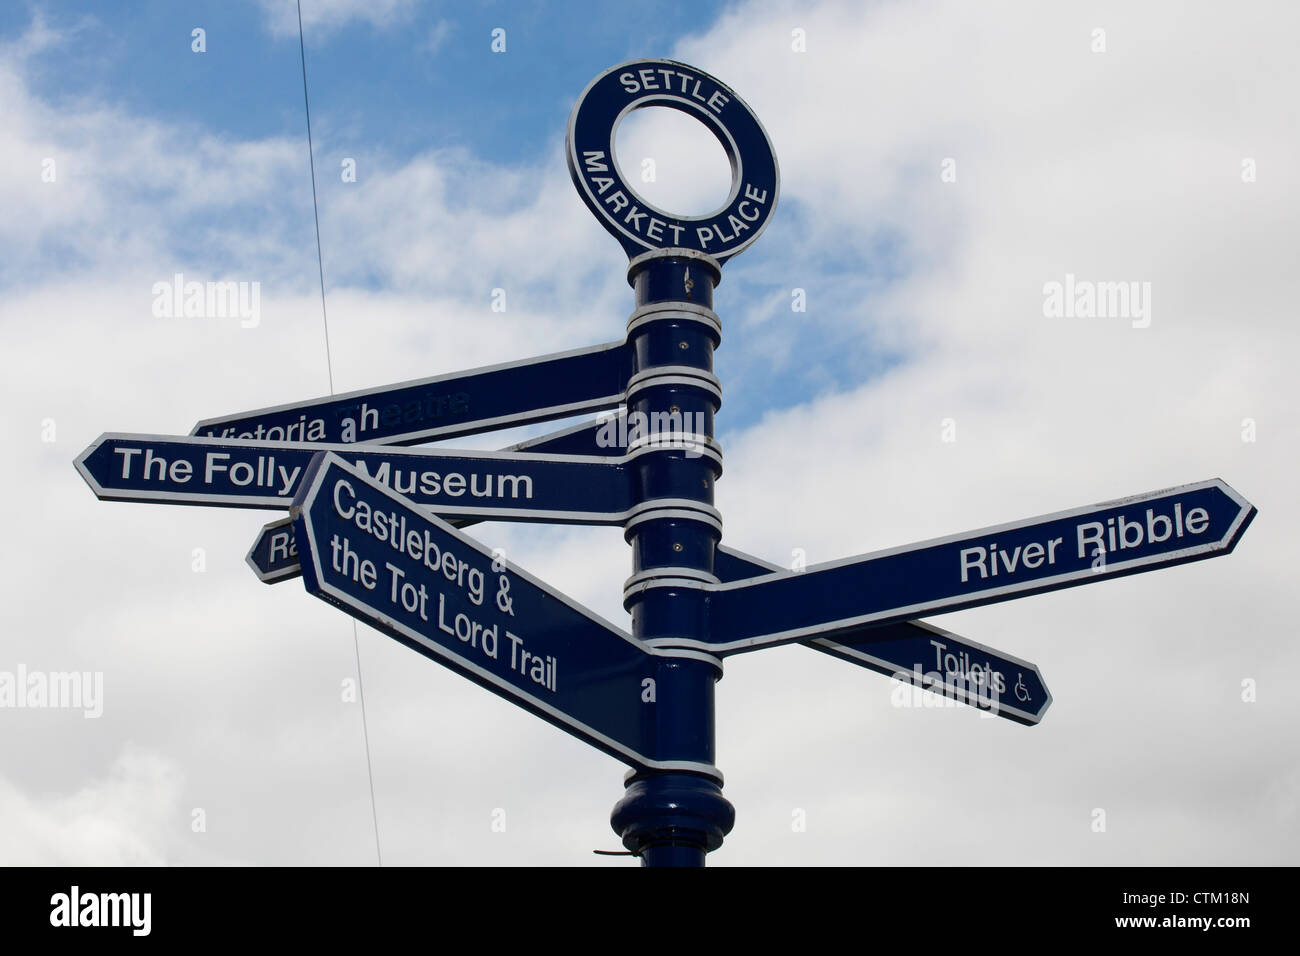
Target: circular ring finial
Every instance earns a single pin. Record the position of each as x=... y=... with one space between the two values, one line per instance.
x=641 y=226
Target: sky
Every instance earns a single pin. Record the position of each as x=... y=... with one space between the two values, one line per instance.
x=942 y=165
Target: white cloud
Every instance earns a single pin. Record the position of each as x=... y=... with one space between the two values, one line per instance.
x=116 y=820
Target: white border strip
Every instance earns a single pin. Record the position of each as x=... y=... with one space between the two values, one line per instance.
x=479 y=424
x=487 y=513
x=842 y=650
x=511 y=690
x=974 y=598
x=1245 y=509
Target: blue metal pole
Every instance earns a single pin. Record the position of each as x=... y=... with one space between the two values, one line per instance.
x=671 y=817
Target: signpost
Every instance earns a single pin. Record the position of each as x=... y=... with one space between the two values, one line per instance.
x=274 y=554
x=496 y=396
x=933 y=659
x=447 y=596
x=375 y=529
x=514 y=486
x=1141 y=533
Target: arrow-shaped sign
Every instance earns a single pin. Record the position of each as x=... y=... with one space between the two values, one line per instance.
x=445 y=595
x=921 y=654
x=274 y=554
x=264 y=474
x=1142 y=533
x=462 y=403
x=933 y=659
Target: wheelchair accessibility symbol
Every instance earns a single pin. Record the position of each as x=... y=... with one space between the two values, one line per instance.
x=1022 y=692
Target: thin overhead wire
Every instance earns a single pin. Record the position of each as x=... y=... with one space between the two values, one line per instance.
x=329 y=367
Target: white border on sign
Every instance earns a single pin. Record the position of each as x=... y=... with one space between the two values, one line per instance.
x=842 y=650
x=880 y=665
x=575 y=165
x=481 y=424
x=595 y=462
x=511 y=690
x=274 y=576
x=1113 y=568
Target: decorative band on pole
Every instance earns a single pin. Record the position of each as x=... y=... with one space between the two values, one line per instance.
x=696 y=442
x=662 y=375
x=673 y=509
x=637 y=263
x=669 y=573
x=677 y=312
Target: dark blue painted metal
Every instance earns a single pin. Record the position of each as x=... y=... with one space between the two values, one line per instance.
x=1137 y=534
x=449 y=597
x=274 y=554
x=512 y=486
x=638 y=225
x=673 y=818
x=274 y=557
x=463 y=403
x=600 y=437
x=922 y=655
x=933 y=659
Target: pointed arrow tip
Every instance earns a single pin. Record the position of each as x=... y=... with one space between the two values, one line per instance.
x=84 y=470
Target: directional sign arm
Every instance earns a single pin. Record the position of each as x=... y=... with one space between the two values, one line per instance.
x=448 y=597
x=921 y=654
x=732 y=565
x=1143 y=533
x=930 y=658
x=462 y=403
x=274 y=554
x=512 y=486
